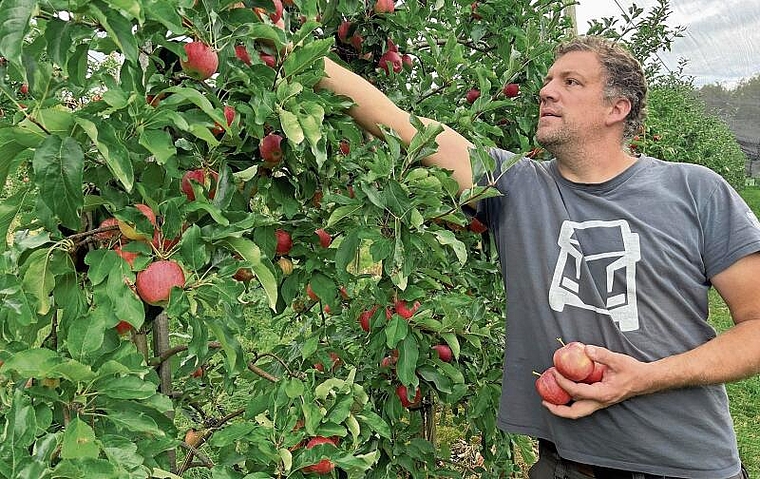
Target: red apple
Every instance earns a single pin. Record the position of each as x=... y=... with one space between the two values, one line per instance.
x=310 y=293
x=444 y=352
x=325 y=466
x=596 y=375
x=276 y=16
x=477 y=226
x=336 y=362
x=242 y=53
x=324 y=237
x=401 y=392
x=204 y=177
x=24 y=89
x=284 y=242
x=384 y=6
x=108 y=235
x=572 y=362
x=202 y=60
x=123 y=328
x=474 y=9
x=198 y=372
x=549 y=390
x=344 y=30
x=270 y=149
x=243 y=275
x=268 y=59
x=472 y=95
x=345 y=147
x=404 y=311
x=154 y=283
x=511 y=90
x=130 y=232
x=356 y=42
x=366 y=316
x=128 y=256
x=406 y=62
x=391 y=60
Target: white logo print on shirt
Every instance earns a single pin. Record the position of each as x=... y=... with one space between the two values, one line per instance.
x=602 y=274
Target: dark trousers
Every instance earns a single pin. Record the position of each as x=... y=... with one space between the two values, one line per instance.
x=551 y=466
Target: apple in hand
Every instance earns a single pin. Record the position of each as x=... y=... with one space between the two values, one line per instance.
x=549 y=390
x=572 y=361
x=596 y=375
x=202 y=60
x=154 y=283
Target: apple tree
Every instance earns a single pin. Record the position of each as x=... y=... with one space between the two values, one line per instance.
x=178 y=187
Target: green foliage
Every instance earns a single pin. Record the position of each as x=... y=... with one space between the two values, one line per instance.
x=680 y=129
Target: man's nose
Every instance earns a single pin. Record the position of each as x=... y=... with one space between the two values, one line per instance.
x=547 y=92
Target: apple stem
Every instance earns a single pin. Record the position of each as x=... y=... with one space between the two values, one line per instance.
x=561 y=342
x=537 y=373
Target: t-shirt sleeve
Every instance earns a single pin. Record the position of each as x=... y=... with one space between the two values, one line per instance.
x=731 y=229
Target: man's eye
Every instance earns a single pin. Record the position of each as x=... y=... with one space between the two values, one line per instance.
x=571 y=81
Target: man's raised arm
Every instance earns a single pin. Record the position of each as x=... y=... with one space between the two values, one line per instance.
x=372 y=108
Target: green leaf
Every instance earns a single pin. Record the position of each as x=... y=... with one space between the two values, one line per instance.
x=79 y=441
x=113 y=151
x=408 y=352
x=453 y=342
x=131 y=417
x=159 y=143
x=125 y=387
x=375 y=422
x=9 y=208
x=119 y=29
x=396 y=330
x=58 y=36
x=346 y=253
x=39 y=280
x=194 y=251
x=15 y=17
x=165 y=13
x=447 y=238
x=85 y=336
x=342 y=212
x=303 y=58
x=59 y=170
x=260 y=265
x=291 y=126
x=441 y=381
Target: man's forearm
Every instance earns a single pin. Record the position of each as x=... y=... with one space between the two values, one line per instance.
x=731 y=356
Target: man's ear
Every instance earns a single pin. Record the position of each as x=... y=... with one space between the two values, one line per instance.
x=619 y=110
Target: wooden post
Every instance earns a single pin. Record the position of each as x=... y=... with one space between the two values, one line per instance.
x=161 y=344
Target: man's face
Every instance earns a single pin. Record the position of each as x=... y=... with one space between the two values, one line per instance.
x=572 y=105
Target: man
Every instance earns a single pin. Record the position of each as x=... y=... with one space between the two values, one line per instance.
x=617 y=252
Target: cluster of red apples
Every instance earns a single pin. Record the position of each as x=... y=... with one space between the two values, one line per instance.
x=572 y=362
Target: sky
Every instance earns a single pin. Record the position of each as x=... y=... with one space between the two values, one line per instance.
x=721 y=41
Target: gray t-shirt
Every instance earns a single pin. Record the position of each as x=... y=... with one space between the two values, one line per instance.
x=625 y=264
